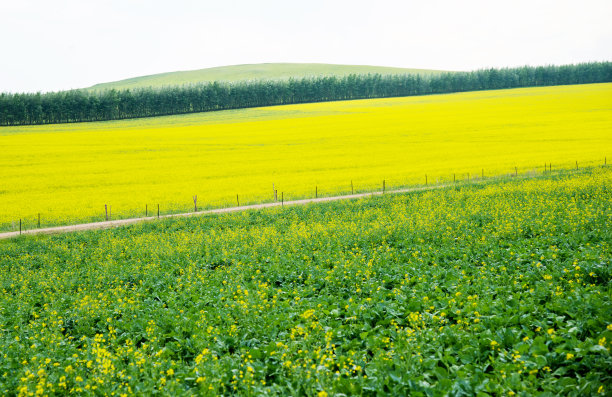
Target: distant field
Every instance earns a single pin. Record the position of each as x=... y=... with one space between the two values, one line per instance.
x=265 y=71
x=67 y=173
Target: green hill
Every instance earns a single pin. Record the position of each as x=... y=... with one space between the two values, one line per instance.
x=265 y=71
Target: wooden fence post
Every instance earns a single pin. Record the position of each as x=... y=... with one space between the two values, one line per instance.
x=39 y=220
x=316 y=192
x=106 y=211
x=352 y=191
x=237 y=200
x=195 y=203
x=157 y=211
x=282 y=199
x=383 y=186
x=19 y=225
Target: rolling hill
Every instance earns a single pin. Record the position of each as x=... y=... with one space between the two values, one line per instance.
x=265 y=71
x=67 y=173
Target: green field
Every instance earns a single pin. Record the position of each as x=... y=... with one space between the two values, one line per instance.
x=497 y=288
x=265 y=71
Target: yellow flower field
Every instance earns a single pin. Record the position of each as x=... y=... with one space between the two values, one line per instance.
x=67 y=173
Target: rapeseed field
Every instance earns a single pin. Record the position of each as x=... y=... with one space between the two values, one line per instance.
x=68 y=173
x=489 y=289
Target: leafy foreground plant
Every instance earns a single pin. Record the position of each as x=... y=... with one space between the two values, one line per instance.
x=490 y=290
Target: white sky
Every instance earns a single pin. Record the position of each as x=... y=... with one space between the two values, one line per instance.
x=61 y=44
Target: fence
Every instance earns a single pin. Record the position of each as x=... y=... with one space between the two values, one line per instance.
x=107 y=215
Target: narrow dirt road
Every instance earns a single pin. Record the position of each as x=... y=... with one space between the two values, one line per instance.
x=123 y=222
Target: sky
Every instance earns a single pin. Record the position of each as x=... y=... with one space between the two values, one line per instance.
x=63 y=44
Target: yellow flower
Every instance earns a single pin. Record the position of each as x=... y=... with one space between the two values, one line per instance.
x=322 y=393
x=609 y=327
x=170 y=372
x=550 y=331
x=569 y=356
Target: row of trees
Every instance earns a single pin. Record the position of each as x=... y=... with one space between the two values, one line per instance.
x=81 y=105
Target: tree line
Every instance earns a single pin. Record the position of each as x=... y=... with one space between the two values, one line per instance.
x=82 y=105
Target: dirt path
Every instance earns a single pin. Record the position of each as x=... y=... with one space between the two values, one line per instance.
x=123 y=222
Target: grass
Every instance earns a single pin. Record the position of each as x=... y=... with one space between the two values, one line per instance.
x=265 y=71
x=67 y=173
x=494 y=289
